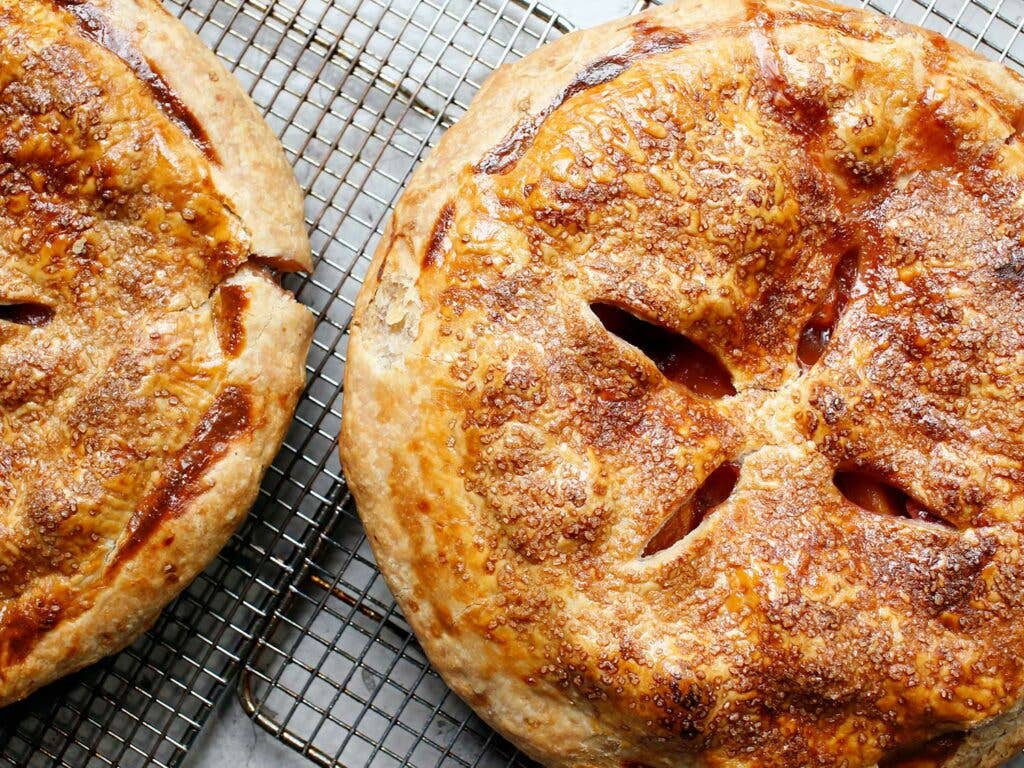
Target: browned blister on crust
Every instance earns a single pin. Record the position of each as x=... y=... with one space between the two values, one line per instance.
x=148 y=370
x=823 y=208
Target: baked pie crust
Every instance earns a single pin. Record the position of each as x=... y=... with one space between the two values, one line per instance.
x=823 y=209
x=149 y=360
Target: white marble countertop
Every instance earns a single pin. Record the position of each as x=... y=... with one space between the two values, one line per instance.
x=230 y=739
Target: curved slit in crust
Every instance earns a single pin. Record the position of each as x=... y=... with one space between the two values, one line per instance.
x=716 y=488
x=225 y=421
x=679 y=359
x=934 y=753
x=873 y=494
x=649 y=40
x=95 y=26
x=30 y=313
x=817 y=333
x=436 y=245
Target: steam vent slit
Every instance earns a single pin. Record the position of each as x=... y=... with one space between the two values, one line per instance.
x=30 y=313
x=818 y=331
x=679 y=358
x=874 y=494
x=718 y=487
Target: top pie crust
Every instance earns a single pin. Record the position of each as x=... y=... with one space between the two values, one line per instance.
x=149 y=360
x=706 y=167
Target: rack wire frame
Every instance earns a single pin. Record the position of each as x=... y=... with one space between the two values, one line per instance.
x=358 y=92
x=337 y=674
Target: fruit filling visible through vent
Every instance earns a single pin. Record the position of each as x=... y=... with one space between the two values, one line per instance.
x=678 y=358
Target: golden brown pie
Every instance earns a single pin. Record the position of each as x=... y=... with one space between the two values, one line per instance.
x=685 y=395
x=149 y=359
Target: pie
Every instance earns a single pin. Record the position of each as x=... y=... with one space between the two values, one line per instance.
x=149 y=360
x=684 y=405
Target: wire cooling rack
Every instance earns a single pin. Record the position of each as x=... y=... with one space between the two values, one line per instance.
x=358 y=91
x=337 y=674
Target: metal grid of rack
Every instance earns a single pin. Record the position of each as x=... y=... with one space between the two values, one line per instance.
x=358 y=91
